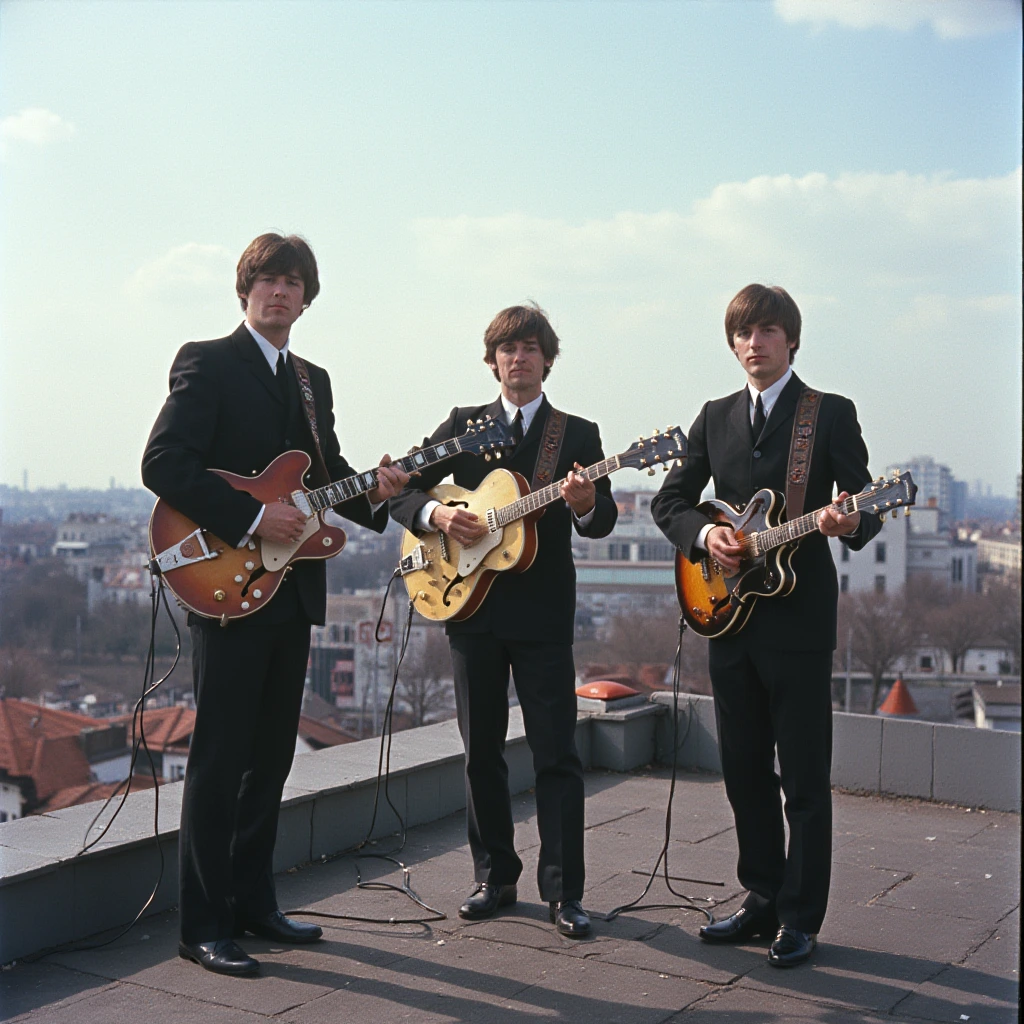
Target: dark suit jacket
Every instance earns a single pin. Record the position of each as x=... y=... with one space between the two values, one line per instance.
x=225 y=411
x=539 y=604
x=721 y=449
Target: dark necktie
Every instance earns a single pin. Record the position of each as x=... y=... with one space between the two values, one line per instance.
x=517 y=429
x=281 y=375
x=759 y=417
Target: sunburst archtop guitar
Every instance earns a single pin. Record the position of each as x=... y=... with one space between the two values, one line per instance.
x=446 y=581
x=714 y=604
x=214 y=579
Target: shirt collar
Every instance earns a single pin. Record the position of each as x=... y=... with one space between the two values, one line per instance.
x=269 y=351
x=770 y=394
x=528 y=410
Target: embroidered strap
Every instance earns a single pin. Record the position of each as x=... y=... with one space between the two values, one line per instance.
x=308 y=407
x=800 y=451
x=550 y=446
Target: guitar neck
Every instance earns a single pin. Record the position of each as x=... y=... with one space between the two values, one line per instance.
x=352 y=486
x=546 y=495
x=794 y=529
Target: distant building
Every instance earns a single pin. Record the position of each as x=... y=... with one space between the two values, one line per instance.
x=880 y=566
x=629 y=572
x=936 y=556
x=997 y=706
x=999 y=557
x=935 y=487
x=89 y=542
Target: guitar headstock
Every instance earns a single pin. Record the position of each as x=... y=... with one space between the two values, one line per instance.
x=662 y=448
x=885 y=495
x=487 y=437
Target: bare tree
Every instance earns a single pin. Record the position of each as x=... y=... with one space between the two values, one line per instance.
x=21 y=674
x=424 y=685
x=883 y=630
x=1004 y=620
x=954 y=622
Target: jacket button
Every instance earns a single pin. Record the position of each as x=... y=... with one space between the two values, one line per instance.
x=757 y=454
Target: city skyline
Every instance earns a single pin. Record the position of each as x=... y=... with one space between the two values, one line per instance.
x=629 y=166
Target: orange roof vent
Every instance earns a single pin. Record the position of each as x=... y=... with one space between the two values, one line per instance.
x=899 y=701
x=605 y=689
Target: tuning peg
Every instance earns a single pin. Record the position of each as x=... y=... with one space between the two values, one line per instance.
x=906 y=511
x=469 y=423
x=650 y=472
x=487 y=457
x=655 y=432
x=897 y=471
x=497 y=455
x=665 y=467
x=895 y=513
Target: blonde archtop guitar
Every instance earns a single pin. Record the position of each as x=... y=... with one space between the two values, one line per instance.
x=447 y=581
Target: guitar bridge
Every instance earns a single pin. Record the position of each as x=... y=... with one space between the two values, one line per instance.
x=416 y=559
x=187 y=551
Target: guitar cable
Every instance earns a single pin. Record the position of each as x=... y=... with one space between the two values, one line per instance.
x=662 y=861
x=383 y=773
x=158 y=598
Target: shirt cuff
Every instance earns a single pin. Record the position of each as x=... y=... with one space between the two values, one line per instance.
x=252 y=529
x=422 y=521
x=375 y=505
x=584 y=521
x=701 y=541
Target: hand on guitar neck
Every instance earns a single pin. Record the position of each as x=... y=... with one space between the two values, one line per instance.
x=833 y=523
x=579 y=492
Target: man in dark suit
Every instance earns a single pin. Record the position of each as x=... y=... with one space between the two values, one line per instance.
x=772 y=681
x=524 y=624
x=235 y=404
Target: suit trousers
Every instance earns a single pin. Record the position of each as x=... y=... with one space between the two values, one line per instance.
x=248 y=681
x=769 y=700
x=544 y=677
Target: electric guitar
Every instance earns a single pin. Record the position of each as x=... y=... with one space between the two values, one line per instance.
x=447 y=581
x=214 y=579
x=715 y=604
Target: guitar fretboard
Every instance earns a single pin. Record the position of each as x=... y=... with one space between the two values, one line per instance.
x=546 y=495
x=351 y=486
x=794 y=529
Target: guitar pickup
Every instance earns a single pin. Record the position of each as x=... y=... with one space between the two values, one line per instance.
x=188 y=551
x=415 y=560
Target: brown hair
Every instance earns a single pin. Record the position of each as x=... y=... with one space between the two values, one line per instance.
x=519 y=323
x=278 y=254
x=758 y=305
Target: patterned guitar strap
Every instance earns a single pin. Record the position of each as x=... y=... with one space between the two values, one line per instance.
x=308 y=407
x=550 y=447
x=800 y=451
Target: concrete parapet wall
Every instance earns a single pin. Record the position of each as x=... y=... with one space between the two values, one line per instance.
x=51 y=893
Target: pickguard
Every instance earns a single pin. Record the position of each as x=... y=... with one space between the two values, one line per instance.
x=471 y=557
x=276 y=556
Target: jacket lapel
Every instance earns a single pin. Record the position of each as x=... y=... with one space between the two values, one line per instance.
x=739 y=419
x=784 y=408
x=249 y=351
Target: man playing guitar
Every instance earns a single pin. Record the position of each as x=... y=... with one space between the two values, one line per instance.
x=772 y=680
x=235 y=404
x=524 y=624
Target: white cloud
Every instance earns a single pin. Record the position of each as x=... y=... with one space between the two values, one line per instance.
x=891 y=231
x=186 y=273
x=35 y=126
x=949 y=19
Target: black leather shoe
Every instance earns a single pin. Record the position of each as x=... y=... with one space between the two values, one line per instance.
x=743 y=925
x=485 y=900
x=570 y=919
x=278 y=928
x=791 y=947
x=224 y=956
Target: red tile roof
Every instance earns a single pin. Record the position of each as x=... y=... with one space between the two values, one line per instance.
x=165 y=727
x=70 y=796
x=26 y=727
x=320 y=734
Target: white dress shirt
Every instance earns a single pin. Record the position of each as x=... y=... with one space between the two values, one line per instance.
x=769 y=397
x=270 y=353
x=529 y=411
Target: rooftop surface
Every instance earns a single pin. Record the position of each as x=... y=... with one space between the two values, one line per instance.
x=923 y=925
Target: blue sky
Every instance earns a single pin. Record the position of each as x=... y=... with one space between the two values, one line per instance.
x=627 y=165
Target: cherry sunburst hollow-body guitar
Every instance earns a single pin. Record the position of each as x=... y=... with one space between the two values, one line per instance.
x=447 y=581
x=211 y=578
x=715 y=604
